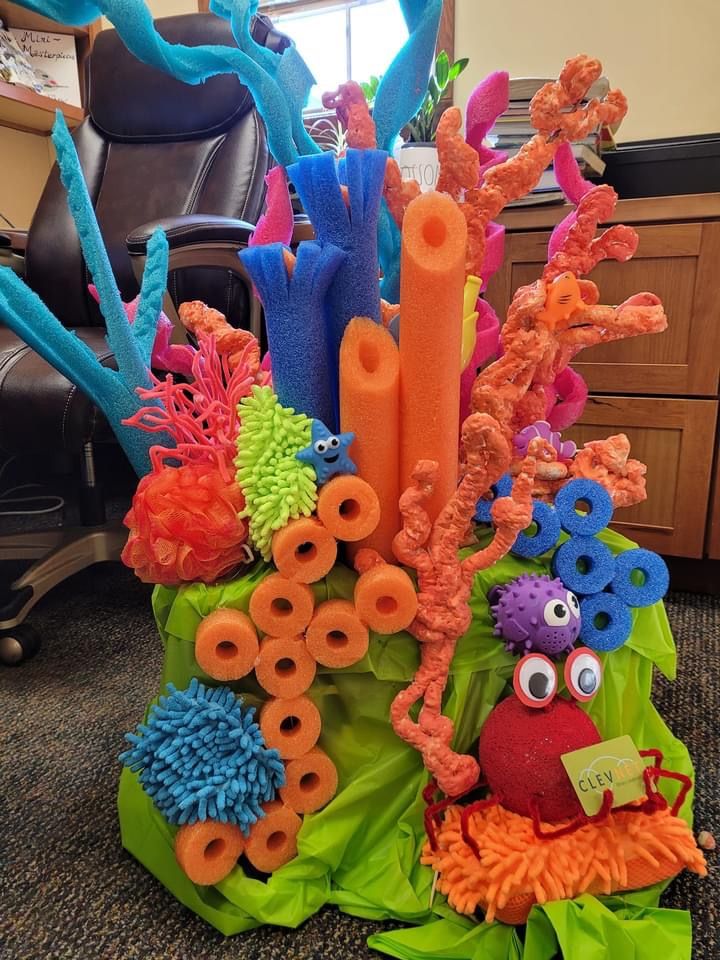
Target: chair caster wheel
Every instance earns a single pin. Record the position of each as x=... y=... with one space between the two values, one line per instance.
x=19 y=644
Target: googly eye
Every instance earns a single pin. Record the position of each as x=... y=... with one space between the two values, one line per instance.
x=535 y=680
x=583 y=674
x=320 y=446
x=556 y=613
x=574 y=604
x=334 y=443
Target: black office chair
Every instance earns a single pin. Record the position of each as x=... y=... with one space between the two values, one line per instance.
x=153 y=150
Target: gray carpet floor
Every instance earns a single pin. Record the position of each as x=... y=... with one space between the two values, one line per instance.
x=67 y=889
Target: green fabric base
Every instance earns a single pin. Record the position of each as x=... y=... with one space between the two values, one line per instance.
x=361 y=852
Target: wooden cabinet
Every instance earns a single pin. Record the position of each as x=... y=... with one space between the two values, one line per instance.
x=661 y=390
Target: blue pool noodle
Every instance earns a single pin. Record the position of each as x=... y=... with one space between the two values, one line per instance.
x=600 y=561
x=598 y=499
x=654 y=568
x=294 y=320
x=503 y=488
x=548 y=531
x=619 y=622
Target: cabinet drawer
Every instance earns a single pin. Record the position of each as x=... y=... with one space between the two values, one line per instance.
x=676 y=261
x=675 y=438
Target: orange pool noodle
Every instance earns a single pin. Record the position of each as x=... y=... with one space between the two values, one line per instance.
x=337 y=637
x=370 y=408
x=281 y=607
x=273 y=839
x=284 y=668
x=304 y=551
x=226 y=644
x=432 y=282
x=385 y=599
x=208 y=850
x=291 y=727
x=311 y=782
x=348 y=507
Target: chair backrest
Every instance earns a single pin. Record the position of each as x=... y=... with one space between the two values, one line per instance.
x=150 y=147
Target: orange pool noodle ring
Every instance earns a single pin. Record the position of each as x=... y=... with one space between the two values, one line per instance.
x=226 y=644
x=348 y=507
x=337 y=637
x=285 y=668
x=385 y=599
x=432 y=283
x=281 y=607
x=208 y=850
x=370 y=408
x=304 y=551
x=273 y=839
x=311 y=782
x=291 y=727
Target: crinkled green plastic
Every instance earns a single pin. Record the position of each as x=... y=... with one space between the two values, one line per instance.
x=361 y=852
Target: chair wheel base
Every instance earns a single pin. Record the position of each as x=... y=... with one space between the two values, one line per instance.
x=19 y=644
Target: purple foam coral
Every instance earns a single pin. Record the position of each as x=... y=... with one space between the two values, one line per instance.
x=565 y=449
x=536 y=613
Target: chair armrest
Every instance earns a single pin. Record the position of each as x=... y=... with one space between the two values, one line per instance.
x=15 y=240
x=191 y=229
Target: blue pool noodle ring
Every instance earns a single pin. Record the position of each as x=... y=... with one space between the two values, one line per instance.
x=503 y=488
x=619 y=622
x=657 y=577
x=548 y=531
x=597 y=498
x=599 y=560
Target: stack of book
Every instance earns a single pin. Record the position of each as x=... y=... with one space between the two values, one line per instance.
x=513 y=129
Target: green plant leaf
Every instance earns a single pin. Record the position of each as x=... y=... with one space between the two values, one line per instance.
x=434 y=91
x=457 y=68
x=442 y=68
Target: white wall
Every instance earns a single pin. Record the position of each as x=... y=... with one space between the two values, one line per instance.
x=664 y=54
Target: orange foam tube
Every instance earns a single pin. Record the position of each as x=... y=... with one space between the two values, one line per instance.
x=310 y=782
x=337 y=637
x=385 y=599
x=208 y=850
x=281 y=607
x=348 y=507
x=273 y=839
x=291 y=727
x=370 y=408
x=432 y=283
x=304 y=551
x=226 y=644
x=284 y=668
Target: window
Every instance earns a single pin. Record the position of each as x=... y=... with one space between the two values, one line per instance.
x=340 y=39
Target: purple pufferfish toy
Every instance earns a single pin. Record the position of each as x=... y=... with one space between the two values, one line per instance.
x=535 y=613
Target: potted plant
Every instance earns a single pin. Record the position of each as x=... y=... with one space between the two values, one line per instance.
x=417 y=157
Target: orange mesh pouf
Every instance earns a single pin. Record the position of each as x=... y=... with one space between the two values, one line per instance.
x=337 y=637
x=311 y=781
x=304 y=550
x=349 y=508
x=280 y=607
x=291 y=727
x=284 y=668
x=273 y=839
x=208 y=850
x=226 y=644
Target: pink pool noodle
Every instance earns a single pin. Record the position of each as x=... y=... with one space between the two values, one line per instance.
x=486 y=348
x=486 y=103
x=276 y=224
x=565 y=399
x=574 y=186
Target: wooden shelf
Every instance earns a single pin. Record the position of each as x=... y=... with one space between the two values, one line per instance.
x=23 y=109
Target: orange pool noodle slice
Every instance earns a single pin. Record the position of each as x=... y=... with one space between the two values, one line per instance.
x=311 y=782
x=208 y=850
x=281 y=607
x=273 y=839
x=385 y=599
x=370 y=408
x=432 y=283
x=348 y=507
x=284 y=668
x=304 y=551
x=226 y=644
x=337 y=637
x=291 y=727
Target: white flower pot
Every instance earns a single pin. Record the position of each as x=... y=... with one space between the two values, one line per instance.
x=419 y=161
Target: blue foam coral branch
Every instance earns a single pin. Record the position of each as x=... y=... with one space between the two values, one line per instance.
x=152 y=291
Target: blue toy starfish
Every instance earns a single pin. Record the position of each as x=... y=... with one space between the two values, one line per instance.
x=328 y=453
